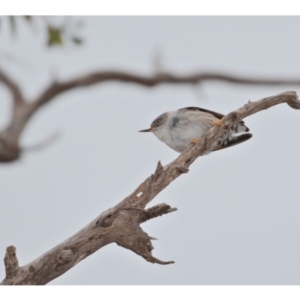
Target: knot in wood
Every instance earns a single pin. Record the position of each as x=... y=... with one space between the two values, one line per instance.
x=65 y=256
x=182 y=169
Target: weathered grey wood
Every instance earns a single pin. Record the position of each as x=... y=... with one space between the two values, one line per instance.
x=11 y=262
x=121 y=224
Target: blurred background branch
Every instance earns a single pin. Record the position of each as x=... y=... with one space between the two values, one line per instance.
x=60 y=31
x=11 y=150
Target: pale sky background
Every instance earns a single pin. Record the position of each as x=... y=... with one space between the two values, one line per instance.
x=238 y=209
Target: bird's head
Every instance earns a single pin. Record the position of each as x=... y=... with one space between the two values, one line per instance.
x=158 y=126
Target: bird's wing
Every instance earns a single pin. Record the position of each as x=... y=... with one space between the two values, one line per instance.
x=216 y=114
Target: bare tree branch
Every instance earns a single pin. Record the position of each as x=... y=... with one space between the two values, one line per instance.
x=150 y=81
x=121 y=224
x=10 y=150
x=13 y=87
x=156 y=211
x=11 y=262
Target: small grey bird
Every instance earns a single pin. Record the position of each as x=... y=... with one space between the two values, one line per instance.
x=183 y=127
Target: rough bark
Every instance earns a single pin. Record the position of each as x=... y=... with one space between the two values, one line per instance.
x=121 y=224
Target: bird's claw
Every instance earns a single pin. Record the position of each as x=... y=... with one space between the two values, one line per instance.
x=194 y=141
x=218 y=123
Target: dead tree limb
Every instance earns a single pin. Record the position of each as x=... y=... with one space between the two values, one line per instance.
x=10 y=149
x=151 y=81
x=121 y=224
x=12 y=87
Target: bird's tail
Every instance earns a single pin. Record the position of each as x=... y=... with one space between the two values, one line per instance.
x=234 y=140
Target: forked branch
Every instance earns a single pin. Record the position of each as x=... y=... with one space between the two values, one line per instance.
x=58 y=88
x=10 y=149
x=121 y=224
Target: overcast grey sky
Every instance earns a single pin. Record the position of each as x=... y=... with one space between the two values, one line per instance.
x=238 y=209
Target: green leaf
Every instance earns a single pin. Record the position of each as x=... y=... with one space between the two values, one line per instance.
x=54 y=36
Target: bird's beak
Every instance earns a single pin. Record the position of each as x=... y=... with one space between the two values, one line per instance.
x=146 y=130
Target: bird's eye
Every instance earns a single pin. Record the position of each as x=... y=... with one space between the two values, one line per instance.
x=157 y=122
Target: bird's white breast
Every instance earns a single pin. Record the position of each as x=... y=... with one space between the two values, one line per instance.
x=183 y=126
